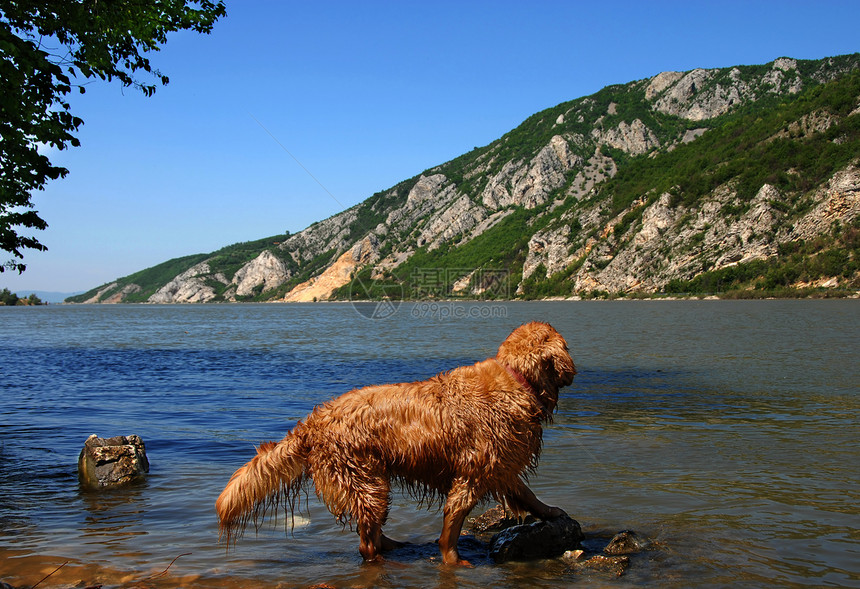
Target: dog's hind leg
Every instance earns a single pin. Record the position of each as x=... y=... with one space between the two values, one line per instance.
x=461 y=499
x=523 y=499
x=355 y=490
x=370 y=541
x=389 y=544
x=370 y=510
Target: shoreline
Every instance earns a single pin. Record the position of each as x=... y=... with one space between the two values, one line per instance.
x=741 y=295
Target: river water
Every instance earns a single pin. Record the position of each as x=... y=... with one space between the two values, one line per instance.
x=723 y=432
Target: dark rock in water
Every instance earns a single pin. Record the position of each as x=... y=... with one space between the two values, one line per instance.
x=615 y=565
x=542 y=539
x=112 y=462
x=625 y=542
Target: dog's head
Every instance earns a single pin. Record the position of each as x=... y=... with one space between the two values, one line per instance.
x=539 y=353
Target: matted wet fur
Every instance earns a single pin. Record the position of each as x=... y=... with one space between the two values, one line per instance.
x=464 y=435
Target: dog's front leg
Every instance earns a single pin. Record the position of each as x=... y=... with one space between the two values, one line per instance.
x=524 y=498
x=461 y=499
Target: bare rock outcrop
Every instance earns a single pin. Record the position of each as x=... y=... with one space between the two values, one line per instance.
x=460 y=217
x=497 y=193
x=633 y=138
x=783 y=76
x=438 y=209
x=189 y=287
x=122 y=293
x=837 y=202
x=96 y=298
x=320 y=288
x=595 y=170
x=424 y=193
x=694 y=96
x=703 y=94
x=422 y=199
x=550 y=249
x=530 y=185
x=266 y=271
x=660 y=83
x=117 y=296
x=330 y=234
x=681 y=97
x=675 y=241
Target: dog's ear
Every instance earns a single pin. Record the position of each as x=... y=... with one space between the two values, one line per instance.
x=562 y=363
x=522 y=350
x=539 y=353
x=556 y=363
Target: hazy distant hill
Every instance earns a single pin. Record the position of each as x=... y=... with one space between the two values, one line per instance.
x=53 y=296
x=743 y=178
x=46 y=296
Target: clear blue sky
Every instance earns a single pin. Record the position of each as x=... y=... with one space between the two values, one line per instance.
x=363 y=95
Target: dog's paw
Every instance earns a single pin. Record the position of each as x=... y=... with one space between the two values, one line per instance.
x=387 y=544
x=554 y=513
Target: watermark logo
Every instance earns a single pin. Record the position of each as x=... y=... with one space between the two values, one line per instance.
x=433 y=283
x=440 y=293
x=375 y=299
x=444 y=310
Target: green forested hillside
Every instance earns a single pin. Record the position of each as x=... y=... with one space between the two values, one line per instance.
x=741 y=181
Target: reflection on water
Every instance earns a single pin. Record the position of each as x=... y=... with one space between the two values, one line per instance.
x=114 y=517
x=724 y=432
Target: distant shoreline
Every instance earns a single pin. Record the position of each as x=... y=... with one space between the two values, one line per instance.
x=731 y=296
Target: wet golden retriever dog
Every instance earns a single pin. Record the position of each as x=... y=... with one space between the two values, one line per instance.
x=462 y=436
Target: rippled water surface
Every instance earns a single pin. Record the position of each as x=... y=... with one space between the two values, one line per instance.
x=726 y=433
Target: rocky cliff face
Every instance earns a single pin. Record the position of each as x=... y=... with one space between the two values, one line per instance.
x=264 y=272
x=677 y=242
x=567 y=198
x=191 y=286
x=337 y=275
x=529 y=184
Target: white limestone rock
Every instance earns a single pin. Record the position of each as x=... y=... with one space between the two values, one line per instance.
x=266 y=269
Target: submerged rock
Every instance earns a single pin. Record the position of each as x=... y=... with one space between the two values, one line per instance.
x=614 y=565
x=572 y=556
x=542 y=539
x=626 y=542
x=110 y=462
x=615 y=558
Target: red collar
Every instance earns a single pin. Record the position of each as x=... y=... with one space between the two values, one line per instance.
x=525 y=384
x=520 y=379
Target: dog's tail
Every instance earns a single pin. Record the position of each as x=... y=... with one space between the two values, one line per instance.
x=274 y=475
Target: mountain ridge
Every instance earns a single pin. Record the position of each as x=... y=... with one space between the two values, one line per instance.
x=639 y=188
